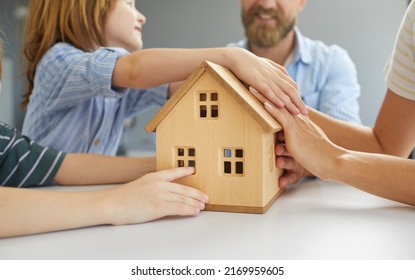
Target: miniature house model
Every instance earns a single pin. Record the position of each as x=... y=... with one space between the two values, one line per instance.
x=216 y=125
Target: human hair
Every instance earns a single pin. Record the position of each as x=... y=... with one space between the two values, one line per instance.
x=77 y=22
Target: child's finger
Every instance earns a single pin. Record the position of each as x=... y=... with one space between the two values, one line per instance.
x=185 y=191
x=186 y=200
x=179 y=209
x=174 y=173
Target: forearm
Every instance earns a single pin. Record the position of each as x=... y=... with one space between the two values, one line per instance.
x=148 y=68
x=347 y=135
x=26 y=211
x=89 y=169
x=173 y=87
x=382 y=175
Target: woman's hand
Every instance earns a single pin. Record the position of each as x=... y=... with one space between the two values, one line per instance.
x=268 y=78
x=306 y=142
x=292 y=170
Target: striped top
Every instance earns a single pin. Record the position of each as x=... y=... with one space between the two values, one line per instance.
x=24 y=163
x=325 y=75
x=400 y=71
x=73 y=107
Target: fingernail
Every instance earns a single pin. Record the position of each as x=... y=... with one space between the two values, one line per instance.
x=202 y=206
x=267 y=104
x=192 y=169
x=205 y=198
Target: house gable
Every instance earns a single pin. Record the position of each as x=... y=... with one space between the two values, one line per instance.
x=233 y=86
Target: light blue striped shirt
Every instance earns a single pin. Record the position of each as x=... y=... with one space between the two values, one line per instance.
x=73 y=107
x=326 y=77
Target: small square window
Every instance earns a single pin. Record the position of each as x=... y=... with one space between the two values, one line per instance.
x=180 y=163
x=227 y=168
x=202 y=96
x=203 y=111
x=214 y=96
x=180 y=152
x=191 y=152
x=214 y=111
x=239 y=167
x=239 y=153
x=192 y=163
x=227 y=153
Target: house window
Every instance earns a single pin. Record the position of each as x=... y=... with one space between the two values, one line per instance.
x=185 y=156
x=233 y=161
x=208 y=105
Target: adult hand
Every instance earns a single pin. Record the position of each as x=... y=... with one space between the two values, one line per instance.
x=292 y=170
x=268 y=78
x=306 y=142
x=154 y=196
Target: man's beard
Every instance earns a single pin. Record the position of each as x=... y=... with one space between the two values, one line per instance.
x=264 y=35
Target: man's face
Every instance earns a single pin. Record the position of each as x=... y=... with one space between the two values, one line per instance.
x=266 y=23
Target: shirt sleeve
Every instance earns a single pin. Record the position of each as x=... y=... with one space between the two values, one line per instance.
x=24 y=163
x=139 y=99
x=400 y=70
x=340 y=93
x=67 y=76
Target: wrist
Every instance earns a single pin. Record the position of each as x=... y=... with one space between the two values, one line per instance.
x=105 y=206
x=337 y=165
x=231 y=56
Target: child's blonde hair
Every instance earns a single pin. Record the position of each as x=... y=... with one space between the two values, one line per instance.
x=77 y=22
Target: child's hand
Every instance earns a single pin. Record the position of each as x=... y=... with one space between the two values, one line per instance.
x=154 y=196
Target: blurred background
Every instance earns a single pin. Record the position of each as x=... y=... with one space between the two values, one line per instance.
x=366 y=29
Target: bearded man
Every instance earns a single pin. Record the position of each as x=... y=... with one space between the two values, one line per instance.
x=325 y=75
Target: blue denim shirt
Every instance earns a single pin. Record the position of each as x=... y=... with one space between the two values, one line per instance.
x=325 y=75
x=74 y=108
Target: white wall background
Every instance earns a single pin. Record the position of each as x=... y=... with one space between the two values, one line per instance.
x=367 y=30
x=6 y=96
x=13 y=83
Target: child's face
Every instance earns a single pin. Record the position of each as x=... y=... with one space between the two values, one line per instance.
x=124 y=25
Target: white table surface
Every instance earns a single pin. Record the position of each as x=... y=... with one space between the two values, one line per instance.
x=311 y=220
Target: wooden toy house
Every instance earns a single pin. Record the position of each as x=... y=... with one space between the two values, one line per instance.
x=216 y=125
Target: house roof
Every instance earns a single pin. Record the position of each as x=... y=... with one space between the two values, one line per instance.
x=232 y=84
